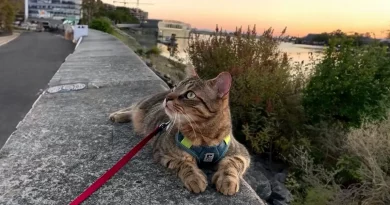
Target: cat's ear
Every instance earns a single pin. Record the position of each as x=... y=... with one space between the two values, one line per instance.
x=190 y=71
x=222 y=84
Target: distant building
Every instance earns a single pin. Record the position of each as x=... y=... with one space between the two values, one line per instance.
x=139 y=14
x=109 y=6
x=149 y=27
x=150 y=23
x=54 y=9
x=167 y=28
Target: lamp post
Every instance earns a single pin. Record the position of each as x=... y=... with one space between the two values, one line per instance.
x=25 y=10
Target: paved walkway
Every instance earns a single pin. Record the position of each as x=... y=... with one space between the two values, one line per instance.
x=6 y=39
x=26 y=65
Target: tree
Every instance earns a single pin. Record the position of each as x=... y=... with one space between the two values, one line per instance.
x=338 y=34
x=7 y=16
x=121 y=15
x=91 y=9
x=350 y=84
x=323 y=37
x=95 y=9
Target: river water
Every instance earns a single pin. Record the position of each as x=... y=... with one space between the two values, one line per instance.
x=297 y=52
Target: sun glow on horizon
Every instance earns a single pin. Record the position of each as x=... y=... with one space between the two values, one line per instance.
x=300 y=16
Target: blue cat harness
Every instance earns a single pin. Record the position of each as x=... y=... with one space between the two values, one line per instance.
x=203 y=154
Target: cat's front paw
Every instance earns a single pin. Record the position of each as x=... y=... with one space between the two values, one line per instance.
x=226 y=183
x=195 y=182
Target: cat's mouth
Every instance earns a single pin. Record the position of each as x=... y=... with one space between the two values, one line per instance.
x=168 y=107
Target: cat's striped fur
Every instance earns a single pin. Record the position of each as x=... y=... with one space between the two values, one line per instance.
x=200 y=110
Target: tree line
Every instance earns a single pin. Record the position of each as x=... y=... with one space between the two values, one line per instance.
x=96 y=8
x=325 y=37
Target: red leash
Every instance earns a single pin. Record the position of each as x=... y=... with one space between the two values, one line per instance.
x=122 y=162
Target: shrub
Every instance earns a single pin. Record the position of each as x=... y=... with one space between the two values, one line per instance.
x=320 y=195
x=265 y=94
x=140 y=51
x=153 y=51
x=101 y=24
x=311 y=183
x=350 y=84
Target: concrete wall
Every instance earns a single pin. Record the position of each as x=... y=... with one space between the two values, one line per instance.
x=66 y=141
x=123 y=25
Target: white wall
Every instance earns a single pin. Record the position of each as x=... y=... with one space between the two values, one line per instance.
x=79 y=30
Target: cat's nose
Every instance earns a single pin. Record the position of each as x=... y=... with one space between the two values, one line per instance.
x=169 y=97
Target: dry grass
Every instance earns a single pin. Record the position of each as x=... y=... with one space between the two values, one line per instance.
x=371 y=144
x=126 y=39
x=175 y=70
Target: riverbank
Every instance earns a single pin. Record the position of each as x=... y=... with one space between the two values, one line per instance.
x=167 y=69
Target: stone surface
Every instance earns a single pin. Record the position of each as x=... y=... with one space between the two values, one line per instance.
x=278 y=202
x=263 y=189
x=102 y=62
x=281 y=177
x=268 y=181
x=258 y=181
x=66 y=141
x=280 y=192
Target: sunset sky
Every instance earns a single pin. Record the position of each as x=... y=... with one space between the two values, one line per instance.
x=300 y=16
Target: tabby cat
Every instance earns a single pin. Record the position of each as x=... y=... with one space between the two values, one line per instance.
x=200 y=120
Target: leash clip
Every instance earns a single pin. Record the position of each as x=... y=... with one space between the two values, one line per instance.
x=164 y=125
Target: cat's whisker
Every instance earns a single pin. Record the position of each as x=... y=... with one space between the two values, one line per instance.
x=172 y=124
x=189 y=118
x=193 y=129
x=200 y=130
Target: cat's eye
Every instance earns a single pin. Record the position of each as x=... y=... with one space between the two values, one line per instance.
x=190 y=95
x=173 y=88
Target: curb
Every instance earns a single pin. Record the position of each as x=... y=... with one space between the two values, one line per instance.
x=78 y=42
x=1 y=44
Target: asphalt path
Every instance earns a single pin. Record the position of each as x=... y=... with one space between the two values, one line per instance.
x=26 y=66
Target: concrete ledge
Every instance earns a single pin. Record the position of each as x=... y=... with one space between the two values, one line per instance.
x=66 y=141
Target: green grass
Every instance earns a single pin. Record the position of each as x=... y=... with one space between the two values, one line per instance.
x=126 y=39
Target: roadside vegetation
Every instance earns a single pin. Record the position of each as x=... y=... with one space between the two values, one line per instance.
x=102 y=24
x=8 y=10
x=329 y=124
x=96 y=9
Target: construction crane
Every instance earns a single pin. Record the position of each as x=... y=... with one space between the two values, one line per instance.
x=137 y=8
x=124 y=3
